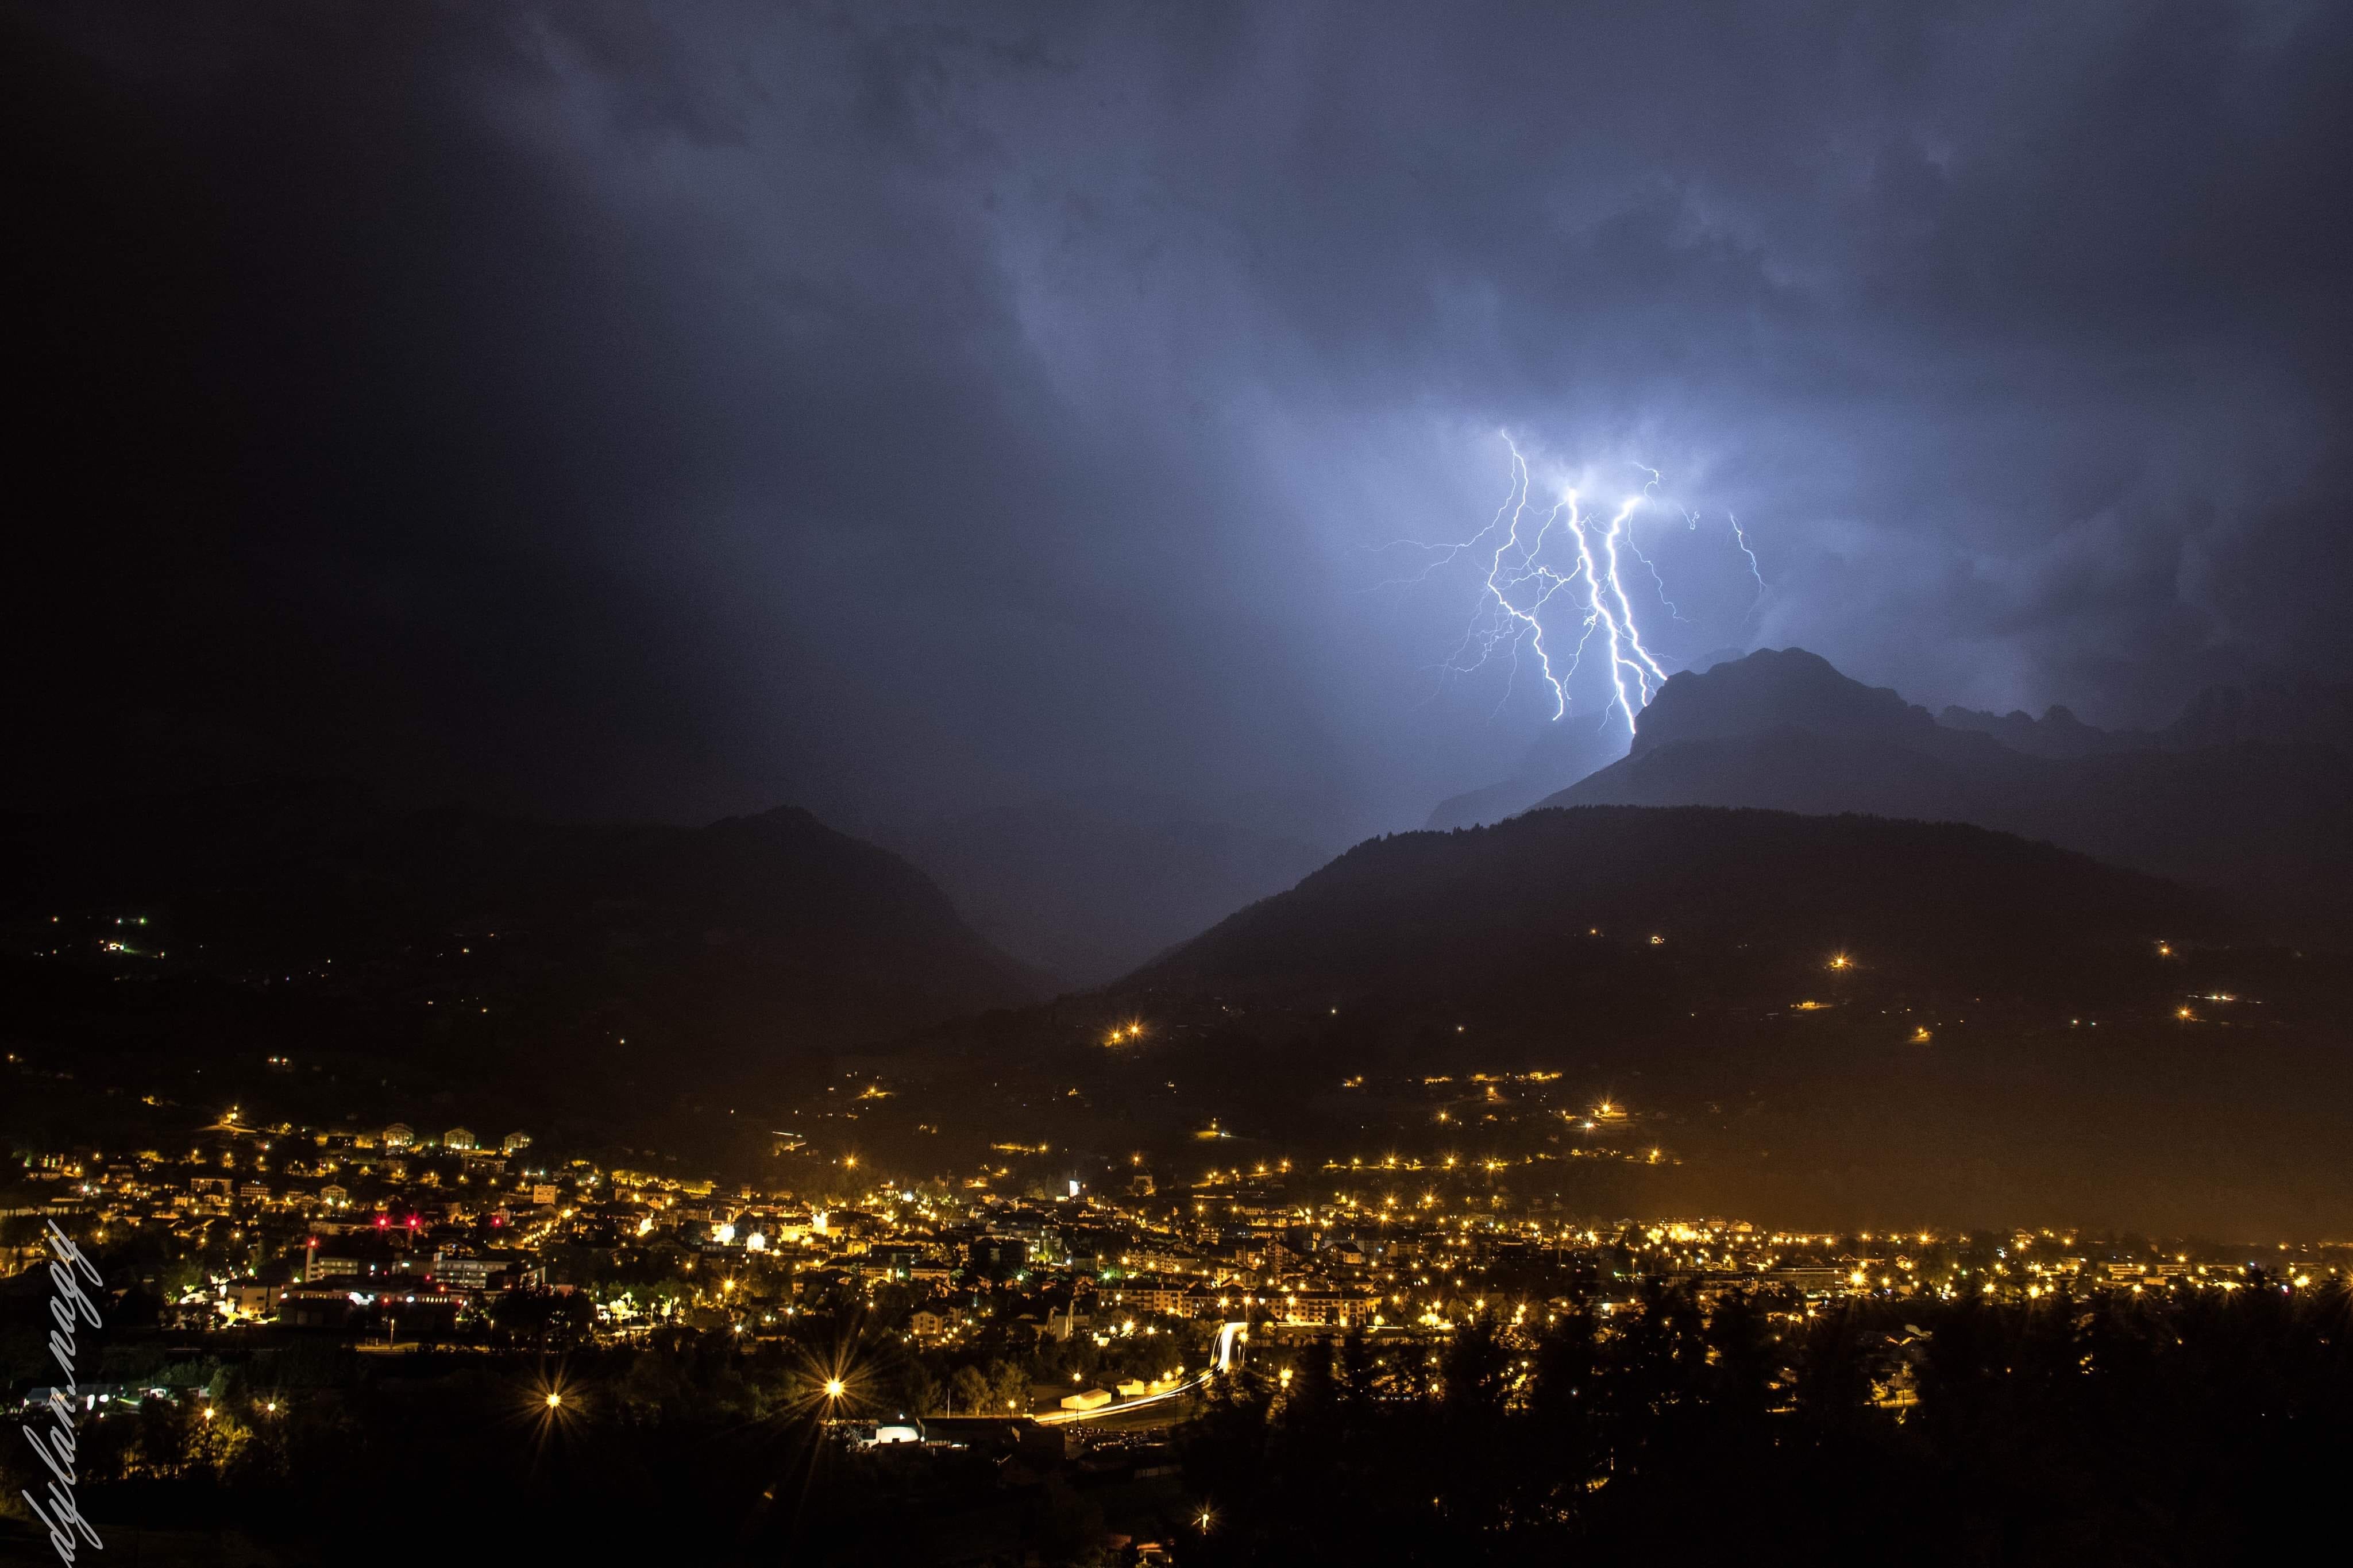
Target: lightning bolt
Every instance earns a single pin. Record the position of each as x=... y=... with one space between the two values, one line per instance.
x=1518 y=587
x=1690 y=520
x=1584 y=570
x=1605 y=588
x=1742 y=540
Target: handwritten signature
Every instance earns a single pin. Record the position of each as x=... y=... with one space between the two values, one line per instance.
x=70 y=1307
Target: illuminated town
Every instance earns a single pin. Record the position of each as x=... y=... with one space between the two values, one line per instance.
x=397 y=1241
x=1040 y=1317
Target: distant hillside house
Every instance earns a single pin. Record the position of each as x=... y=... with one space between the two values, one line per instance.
x=459 y=1138
x=399 y=1135
x=515 y=1142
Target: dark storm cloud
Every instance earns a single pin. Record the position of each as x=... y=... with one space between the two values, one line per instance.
x=675 y=410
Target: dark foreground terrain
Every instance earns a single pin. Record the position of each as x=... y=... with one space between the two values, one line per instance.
x=2193 y=1429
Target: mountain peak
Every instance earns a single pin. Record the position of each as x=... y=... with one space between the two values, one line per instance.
x=2242 y=796
x=1775 y=689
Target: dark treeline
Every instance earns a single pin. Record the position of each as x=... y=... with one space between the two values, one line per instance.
x=692 y=1442
x=701 y=1442
x=2203 y=1429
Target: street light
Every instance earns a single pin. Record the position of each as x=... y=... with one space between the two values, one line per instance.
x=834 y=1388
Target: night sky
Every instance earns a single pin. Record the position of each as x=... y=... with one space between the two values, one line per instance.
x=664 y=411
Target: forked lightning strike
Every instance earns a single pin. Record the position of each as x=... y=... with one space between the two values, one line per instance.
x=1521 y=583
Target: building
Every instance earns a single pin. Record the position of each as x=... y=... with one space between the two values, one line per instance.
x=314 y=1306
x=459 y=1271
x=1810 y=1282
x=1337 y=1308
x=400 y=1136
x=1143 y=1294
x=994 y=1253
x=895 y=1259
x=252 y=1298
x=414 y=1314
x=460 y=1139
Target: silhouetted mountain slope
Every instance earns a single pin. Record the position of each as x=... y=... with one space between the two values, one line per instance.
x=2276 y=713
x=2017 y=1034
x=518 y=946
x=2270 y=823
x=1088 y=885
x=1492 y=803
x=2057 y=734
x=1792 y=769
x=1776 y=689
x=1565 y=752
x=1562 y=754
x=1527 y=904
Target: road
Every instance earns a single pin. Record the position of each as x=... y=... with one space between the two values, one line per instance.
x=1226 y=1354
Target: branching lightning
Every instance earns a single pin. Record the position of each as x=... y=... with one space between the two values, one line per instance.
x=1742 y=540
x=1540 y=554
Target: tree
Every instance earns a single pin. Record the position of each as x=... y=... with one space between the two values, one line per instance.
x=968 y=1391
